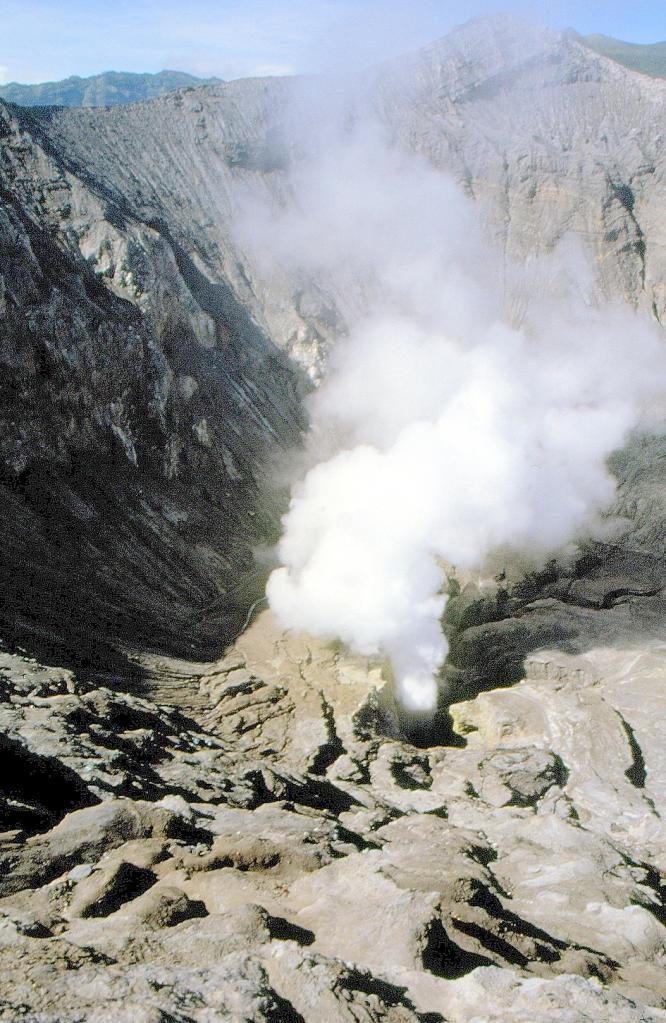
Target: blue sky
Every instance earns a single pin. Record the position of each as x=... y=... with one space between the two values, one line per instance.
x=42 y=40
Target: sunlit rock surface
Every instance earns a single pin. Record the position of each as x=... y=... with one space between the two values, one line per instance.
x=266 y=850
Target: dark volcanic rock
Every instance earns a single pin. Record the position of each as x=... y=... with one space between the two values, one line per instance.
x=136 y=442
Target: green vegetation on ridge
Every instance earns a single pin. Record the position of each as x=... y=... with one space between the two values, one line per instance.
x=112 y=88
x=648 y=58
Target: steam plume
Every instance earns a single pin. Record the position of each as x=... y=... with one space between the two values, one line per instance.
x=469 y=408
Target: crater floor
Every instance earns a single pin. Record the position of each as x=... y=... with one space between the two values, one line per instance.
x=251 y=839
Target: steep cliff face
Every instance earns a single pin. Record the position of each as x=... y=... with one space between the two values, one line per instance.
x=145 y=343
x=136 y=433
x=181 y=165
x=150 y=353
x=553 y=137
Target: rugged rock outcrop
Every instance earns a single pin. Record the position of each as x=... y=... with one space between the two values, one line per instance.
x=274 y=848
x=136 y=431
x=144 y=389
x=553 y=137
x=146 y=340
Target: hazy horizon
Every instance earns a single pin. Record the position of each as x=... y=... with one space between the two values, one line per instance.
x=230 y=39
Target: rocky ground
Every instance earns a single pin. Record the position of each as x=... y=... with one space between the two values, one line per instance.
x=257 y=839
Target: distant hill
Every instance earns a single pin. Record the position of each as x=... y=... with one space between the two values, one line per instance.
x=112 y=88
x=649 y=58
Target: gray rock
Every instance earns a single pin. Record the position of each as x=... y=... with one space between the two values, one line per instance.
x=258 y=833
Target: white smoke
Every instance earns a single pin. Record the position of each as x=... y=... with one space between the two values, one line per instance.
x=472 y=406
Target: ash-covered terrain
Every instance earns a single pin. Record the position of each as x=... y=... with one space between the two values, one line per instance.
x=205 y=817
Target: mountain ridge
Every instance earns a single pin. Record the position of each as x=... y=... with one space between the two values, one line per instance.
x=109 y=88
x=647 y=58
